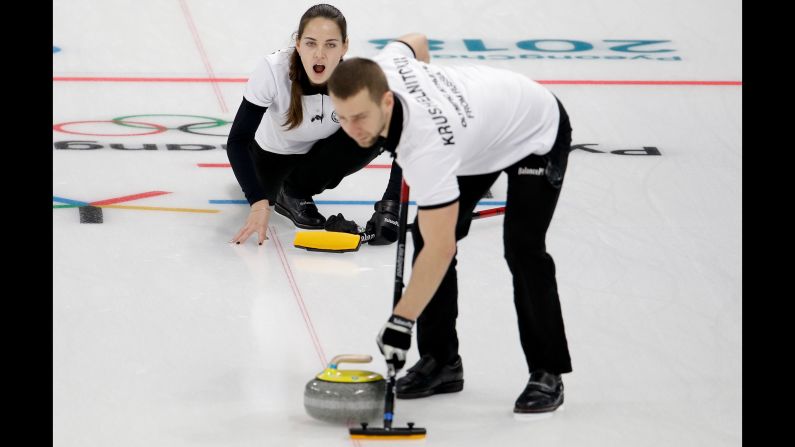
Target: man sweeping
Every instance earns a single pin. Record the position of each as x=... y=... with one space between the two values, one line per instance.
x=453 y=130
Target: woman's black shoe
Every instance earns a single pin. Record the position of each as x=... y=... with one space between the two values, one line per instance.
x=302 y=212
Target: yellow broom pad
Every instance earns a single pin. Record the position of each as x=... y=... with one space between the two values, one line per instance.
x=388 y=437
x=330 y=241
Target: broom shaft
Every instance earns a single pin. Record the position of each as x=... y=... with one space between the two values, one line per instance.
x=488 y=212
x=401 y=242
x=389 y=402
x=481 y=214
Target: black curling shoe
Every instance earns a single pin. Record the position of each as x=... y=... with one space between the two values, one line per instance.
x=544 y=393
x=303 y=212
x=427 y=377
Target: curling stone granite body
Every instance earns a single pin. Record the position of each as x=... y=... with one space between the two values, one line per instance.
x=345 y=396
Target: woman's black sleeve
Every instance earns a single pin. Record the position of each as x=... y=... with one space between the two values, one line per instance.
x=240 y=138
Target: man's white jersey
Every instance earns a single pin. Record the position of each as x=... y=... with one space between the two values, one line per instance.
x=463 y=120
x=269 y=86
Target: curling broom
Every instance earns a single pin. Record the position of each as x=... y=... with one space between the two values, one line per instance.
x=387 y=432
x=336 y=242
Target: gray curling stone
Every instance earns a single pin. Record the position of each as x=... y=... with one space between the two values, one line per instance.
x=346 y=395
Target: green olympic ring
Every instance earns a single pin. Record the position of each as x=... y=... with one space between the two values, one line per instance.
x=214 y=122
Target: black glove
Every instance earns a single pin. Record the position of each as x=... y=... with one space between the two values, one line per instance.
x=384 y=222
x=394 y=340
x=339 y=224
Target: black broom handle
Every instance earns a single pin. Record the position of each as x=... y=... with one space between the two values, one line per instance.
x=401 y=242
x=389 y=403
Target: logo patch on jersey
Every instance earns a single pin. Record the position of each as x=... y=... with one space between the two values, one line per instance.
x=334 y=117
x=530 y=171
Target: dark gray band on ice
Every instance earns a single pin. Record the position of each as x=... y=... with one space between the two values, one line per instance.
x=90 y=214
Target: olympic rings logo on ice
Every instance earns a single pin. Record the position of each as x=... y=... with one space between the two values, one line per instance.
x=145 y=126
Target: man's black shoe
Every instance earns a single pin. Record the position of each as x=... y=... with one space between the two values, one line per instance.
x=544 y=393
x=427 y=377
x=302 y=212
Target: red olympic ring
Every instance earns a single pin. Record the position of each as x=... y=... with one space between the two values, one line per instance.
x=157 y=129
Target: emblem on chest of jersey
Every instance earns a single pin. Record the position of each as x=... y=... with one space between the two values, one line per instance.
x=334 y=117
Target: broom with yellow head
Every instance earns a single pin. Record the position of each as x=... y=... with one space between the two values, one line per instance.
x=388 y=432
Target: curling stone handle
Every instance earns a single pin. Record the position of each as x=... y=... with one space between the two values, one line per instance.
x=350 y=358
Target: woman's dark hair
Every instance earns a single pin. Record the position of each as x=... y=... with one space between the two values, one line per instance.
x=295 y=113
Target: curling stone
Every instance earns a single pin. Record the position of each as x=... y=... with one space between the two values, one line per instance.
x=346 y=395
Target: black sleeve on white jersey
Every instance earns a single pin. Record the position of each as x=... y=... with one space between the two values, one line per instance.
x=440 y=205
x=410 y=47
x=240 y=138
